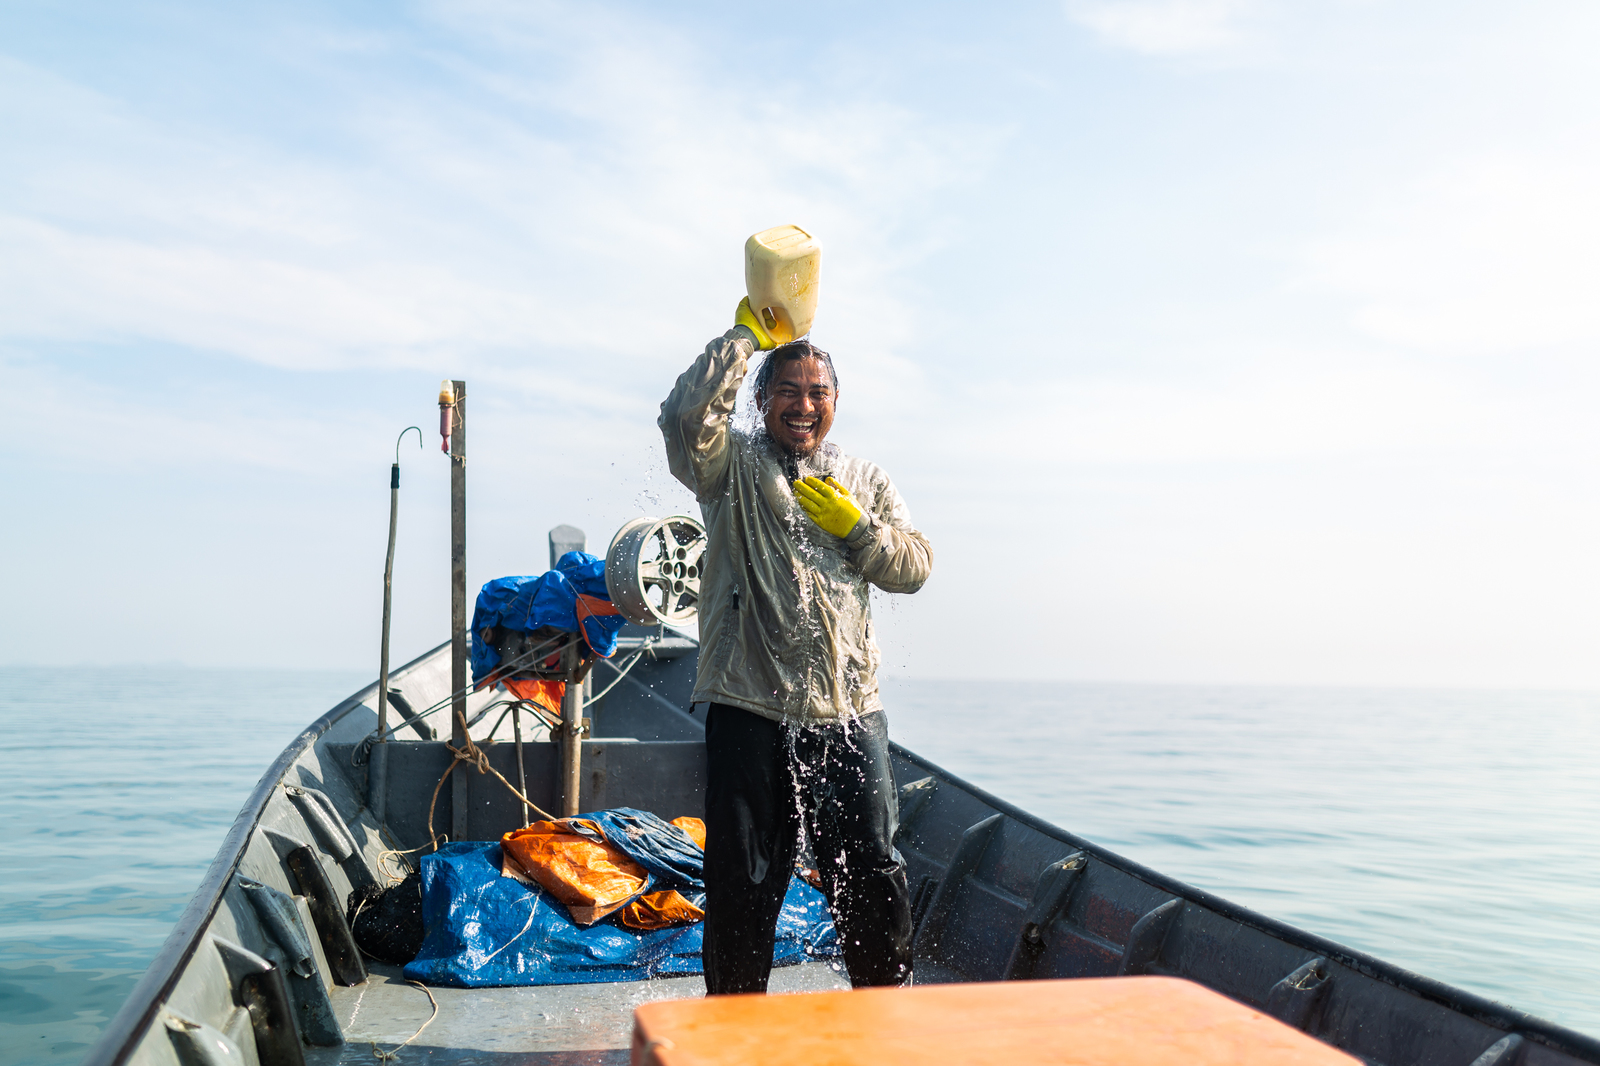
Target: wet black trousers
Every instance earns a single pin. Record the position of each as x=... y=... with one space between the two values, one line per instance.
x=765 y=780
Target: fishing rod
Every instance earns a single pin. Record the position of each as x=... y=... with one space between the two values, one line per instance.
x=378 y=762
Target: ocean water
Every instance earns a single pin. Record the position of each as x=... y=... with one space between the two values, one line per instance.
x=120 y=786
x=1454 y=833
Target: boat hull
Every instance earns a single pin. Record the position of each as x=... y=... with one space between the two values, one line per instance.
x=999 y=894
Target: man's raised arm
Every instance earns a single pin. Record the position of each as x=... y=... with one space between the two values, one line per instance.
x=694 y=417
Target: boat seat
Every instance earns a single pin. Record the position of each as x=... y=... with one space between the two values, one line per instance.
x=1112 y=1021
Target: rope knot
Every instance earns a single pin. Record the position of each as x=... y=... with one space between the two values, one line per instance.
x=477 y=758
x=470 y=754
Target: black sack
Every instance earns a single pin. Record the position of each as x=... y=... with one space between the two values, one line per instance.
x=387 y=922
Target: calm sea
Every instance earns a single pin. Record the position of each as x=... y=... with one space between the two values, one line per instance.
x=1454 y=833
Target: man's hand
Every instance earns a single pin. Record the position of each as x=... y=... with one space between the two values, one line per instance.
x=828 y=504
x=743 y=316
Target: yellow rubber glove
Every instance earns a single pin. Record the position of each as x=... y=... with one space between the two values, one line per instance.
x=828 y=504
x=743 y=316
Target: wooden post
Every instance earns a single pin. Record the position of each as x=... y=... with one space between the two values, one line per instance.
x=458 y=610
x=571 y=736
x=565 y=539
x=522 y=772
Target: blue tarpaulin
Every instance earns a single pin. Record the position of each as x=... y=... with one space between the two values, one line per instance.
x=486 y=930
x=550 y=599
x=670 y=856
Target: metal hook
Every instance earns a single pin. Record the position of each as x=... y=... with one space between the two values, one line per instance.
x=402 y=437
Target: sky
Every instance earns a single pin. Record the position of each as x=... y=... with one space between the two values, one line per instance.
x=1209 y=341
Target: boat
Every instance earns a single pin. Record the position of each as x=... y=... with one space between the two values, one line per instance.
x=998 y=895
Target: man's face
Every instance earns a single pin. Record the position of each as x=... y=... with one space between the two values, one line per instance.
x=799 y=410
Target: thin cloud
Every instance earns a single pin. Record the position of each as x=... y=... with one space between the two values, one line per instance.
x=1489 y=257
x=72 y=418
x=1165 y=27
x=472 y=223
x=1366 y=407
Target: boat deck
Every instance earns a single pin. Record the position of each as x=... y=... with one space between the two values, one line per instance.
x=540 y=1025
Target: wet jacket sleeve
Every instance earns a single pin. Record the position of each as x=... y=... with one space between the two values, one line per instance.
x=888 y=550
x=694 y=417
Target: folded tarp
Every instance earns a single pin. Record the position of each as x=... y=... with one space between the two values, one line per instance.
x=673 y=853
x=485 y=929
x=572 y=597
x=618 y=860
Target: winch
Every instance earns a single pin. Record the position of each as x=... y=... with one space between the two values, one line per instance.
x=652 y=573
x=653 y=570
x=538 y=636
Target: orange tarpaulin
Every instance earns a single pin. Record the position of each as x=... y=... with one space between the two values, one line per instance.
x=546 y=694
x=694 y=827
x=658 y=910
x=587 y=607
x=571 y=859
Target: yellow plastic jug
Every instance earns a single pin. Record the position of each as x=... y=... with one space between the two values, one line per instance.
x=782 y=271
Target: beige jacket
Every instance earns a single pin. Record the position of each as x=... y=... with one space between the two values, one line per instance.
x=785 y=620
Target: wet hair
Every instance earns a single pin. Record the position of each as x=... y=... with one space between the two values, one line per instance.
x=788 y=353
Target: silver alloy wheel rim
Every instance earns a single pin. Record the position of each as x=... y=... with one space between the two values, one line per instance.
x=653 y=570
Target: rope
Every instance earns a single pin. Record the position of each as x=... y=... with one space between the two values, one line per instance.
x=533 y=912
x=509 y=704
x=538 y=710
x=505 y=668
x=475 y=757
x=470 y=686
x=394 y=1052
x=383 y=857
x=622 y=672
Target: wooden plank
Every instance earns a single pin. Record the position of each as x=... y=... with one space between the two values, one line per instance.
x=1119 y=1021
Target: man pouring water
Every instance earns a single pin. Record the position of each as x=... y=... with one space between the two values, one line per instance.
x=796 y=738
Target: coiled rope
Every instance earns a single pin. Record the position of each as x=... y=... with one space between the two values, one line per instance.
x=475 y=757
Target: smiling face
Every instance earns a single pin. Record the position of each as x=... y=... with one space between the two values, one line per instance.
x=798 y=404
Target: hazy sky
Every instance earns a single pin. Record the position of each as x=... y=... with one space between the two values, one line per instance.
x=1208 y=340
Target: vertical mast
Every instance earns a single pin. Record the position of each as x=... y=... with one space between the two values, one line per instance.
x=458 y=609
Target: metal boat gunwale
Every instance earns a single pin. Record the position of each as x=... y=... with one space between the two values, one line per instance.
x=1477 y=1007
x=128 y=1025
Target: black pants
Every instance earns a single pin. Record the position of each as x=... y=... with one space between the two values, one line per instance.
x=766 y=780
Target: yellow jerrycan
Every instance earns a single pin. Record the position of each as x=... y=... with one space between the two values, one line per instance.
x=782 y=271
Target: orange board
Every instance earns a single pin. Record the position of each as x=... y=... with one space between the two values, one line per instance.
x=1104 y=1021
